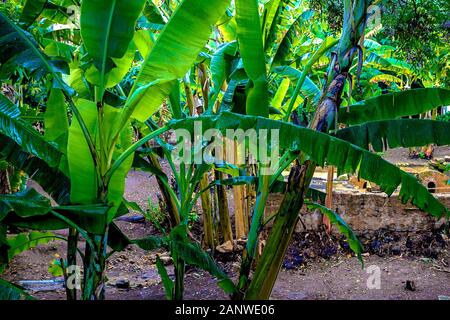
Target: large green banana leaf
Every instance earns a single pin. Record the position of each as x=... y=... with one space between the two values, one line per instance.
x=53 y=181
x=116 y=74
x=309 y=89
x=252 y=52
x=107 y=28
x=395 y=105
x=323 y=148
x=397 y=133
x=175 y=50
x=83 y=174
x=343 y=227
x=285 y=45
x=29 y=209
x=31 y=11
x=272 y=10
x=116 y=185
x=24 y=135
x=56 y=121
x=219 y=65
x=9 y=291
x=17 y=47
x=7 y=108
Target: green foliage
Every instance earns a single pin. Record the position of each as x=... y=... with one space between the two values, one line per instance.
x=19 y=48
x=252 y=52
x=24 y=135
x=128 y=59
x=397 y=133
x=107 y=27
x=172 y=55
x=343 y=227
x=9 y=291
x=395 y=105
x=413 y=23
x=25 y=241
x=31 y=11
x=166 y=281
x=323 y=148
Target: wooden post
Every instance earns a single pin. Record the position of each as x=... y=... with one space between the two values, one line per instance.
x=224 y=214
x=207 y=214
x=241 y=227
x=329 y=197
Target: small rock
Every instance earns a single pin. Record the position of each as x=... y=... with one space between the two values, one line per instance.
x=396 y=251
x=165 y=259
x=225 y=247
x=123 y=284
x=410 y=285
x=288 y=265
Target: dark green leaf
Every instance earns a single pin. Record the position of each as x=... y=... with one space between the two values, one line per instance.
x=395 y=105
x=397 y=133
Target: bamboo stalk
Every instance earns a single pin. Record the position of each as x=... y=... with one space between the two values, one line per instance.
x=4 y=182
x=329 y=197
x=224 y=214
x=208 y=227
x=239 y=214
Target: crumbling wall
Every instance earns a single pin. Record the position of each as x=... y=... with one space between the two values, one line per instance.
x=368 y=211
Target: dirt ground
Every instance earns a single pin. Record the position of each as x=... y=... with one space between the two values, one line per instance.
x=317 y=266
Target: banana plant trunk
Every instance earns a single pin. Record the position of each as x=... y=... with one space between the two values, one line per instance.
x=4 y=182
x=224 y=214
x=172 y=210
x=261 y=285
x=208 y=226
x=72 y=247
x=94 y=268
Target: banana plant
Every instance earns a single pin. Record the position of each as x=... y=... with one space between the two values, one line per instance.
x=386 y=110
x=94 y=151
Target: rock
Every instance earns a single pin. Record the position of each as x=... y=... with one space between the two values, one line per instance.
x=410 y=285
x=226 y=247
x=123 y=283
x=166 y=259
x=396 y=251
x=297 y=295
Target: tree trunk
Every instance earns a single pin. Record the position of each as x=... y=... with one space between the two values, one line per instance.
x=94 y=281
x=208 y=226
x=224 y=214
x=4 y=182
x=300 y=177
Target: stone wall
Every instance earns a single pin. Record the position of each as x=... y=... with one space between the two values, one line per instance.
x=369 y=211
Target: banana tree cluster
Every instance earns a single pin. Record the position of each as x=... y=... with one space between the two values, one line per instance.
x=124 y=73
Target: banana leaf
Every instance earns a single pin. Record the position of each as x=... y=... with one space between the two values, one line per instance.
x=322 y=148
x=395 y=105
x=385 y=134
